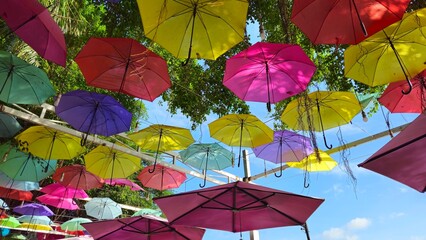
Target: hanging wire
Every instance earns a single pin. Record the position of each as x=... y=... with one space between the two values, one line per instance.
x=386 y=118
x=344 y=156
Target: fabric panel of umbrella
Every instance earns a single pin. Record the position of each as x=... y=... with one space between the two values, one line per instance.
x=243 y=130
x=9 y=222
x=33 y=209
x=268 y=72
x=32 y=22
x=11 y=183
x=34 y=219
x=143 y=228
x=124 y=182
x=9 y=126
x=345 y=22
x=162 y=138
x=37 y=227
x=75 y=224
x=207 y=156
x=58 y=202
x=19 y=195
x=397 y=52
x=202 y=29
x=77 y=176
x=287 y=147
x=93 y=113
x=147 y=211
x=161 y=177
x=102 y=208
x=21 y=82
x=58 y=190
x=321 y=110
x=124 y=65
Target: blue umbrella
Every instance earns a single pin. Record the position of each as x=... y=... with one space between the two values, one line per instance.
x=33 y=209
x=8 y=182
x=9 y=126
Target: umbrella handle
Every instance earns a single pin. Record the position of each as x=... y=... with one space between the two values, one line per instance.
x=410 y=87
x=204 y=182
x=155 y=164
x=268 y=106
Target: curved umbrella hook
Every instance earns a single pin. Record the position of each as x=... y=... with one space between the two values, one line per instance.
x=205 y=170
x=281 y=159
x=322 y=128
x=156 y=153
x=306 y=184
x=410 y=87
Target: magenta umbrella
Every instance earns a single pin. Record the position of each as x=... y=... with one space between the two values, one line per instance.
x=142 y=228
x=58 y=202
x=268 y=72
x=238 y=207
x=59 y=190
x=124 y=182
x=403 y=158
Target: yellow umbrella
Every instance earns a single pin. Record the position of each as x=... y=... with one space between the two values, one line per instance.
x=33 y=226
x=106 y=162
x=397 y=52
x=200 y=29
x=323 y=110
x=161 y=138
x=243 y=130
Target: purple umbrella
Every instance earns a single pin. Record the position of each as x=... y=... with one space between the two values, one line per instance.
x=287 y=147
x=95 y=113
x=33 y=209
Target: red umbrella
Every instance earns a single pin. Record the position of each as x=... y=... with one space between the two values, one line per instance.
x=32 y=22
x=58 y=202
x=238 y=207
x=403 y=158
x=58 y=190
x=124 y=182
x=123 y=65
x=76 y=176
x=345 y=21
x=162 y=178
x=396 y=101
x=15 y=194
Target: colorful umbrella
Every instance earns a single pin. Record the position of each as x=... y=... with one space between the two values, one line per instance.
x=287 y=147
x=34 y=219
x=58 y=190
x=207 y=156
x=322 y=110
x=345 y=22
x=106 y=162
x=58 y=202
x=22 y=82
x=8 y=182
x=238 y=207
x=312 y=164
x=33 y=209
x=34 y=226
x=95 y=113
x=9 y=126
x=243 y=130
x=147 y=211
x=268 y=72
x=32 y=22
x=394 y=99
x=142 y=228
x=403 y=157
x=201 y=29
x=75 y=224
x=9 y=222
x=161 y=138
x=15 y=194
x=124 y=65
x=124 y=182
x=76 y=176
x=102 y=208
x=161 y=178
x=397 y=52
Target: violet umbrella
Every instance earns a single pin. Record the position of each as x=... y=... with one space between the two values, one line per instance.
x=287 y=147
x=33 y=209
x=58 y=190
x=142 y=228
x=94 y=113
x=58 y=202
x=268 y=72
x=403 y=158
x=238 y=207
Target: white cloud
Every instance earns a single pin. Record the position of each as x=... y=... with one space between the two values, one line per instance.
x=358 y=223
x=347 y=231
x=334 y=233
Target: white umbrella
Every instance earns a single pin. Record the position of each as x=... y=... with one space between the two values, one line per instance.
x=102 y=208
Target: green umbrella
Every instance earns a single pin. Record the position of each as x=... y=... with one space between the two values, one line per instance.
x=21 y=82
x=9 y=222
x=75 y=224
x=15 y=236
x=147 y=211
x=205 y=156
x=9 y=126
x=24 y=167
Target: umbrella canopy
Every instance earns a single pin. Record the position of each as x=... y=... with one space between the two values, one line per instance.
x=207 y=156
x=22 y=82
x=11 y=183
x=268 y=72
x=58 y=202
x=95 y=113
x=323 y=110
x=76 y=176
x=147 y=211
x=238 y=207
x=35 y=226
x=9 y=126
x=287 y=147
x=33 y=219
x=58 y=190
x=102 y=208
x=15 y=194
x=107 y=162
x=161 y=178
x=124 y=65
x=312 y=164
x=243 y=130
x=345 y=22
x=394 y=99
x=9 y=222
x=32 y=22
x=161 y=138
x=201 y=29
x=33 y=209
x=143 y=228
x=403 y=158
x=397 y=52
x=3 y=204
x=75 y=224
x=124 y=182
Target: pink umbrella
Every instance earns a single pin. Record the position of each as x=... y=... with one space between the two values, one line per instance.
x=268 y=72
x=58 y=190
x=403 y=157
x=142 y=228
x=124 y=182
x=58 y=202
x=162 y=178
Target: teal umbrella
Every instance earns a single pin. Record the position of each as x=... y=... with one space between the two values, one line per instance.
x=147 y=211
x=22 y=166
x=32 y=219
x=21 y=82
x=75 y=224
x=9 y=126
x=206 y=156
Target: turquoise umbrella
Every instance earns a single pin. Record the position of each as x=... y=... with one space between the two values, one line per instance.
x=147 y=211
x=206 y=156
x=22 y=166
x=102 y=208
x=32 y=219
x=75 y=224
x=9 y=126
x=7 y=182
